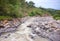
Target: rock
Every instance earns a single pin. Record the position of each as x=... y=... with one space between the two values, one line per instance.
x=1 y=26
x=41 y=26
x=33 y=29
x=9 y=26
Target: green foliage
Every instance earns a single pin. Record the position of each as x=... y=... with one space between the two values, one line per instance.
x=19 y=8
x=5 y=17
x=56 y=16
x=20 y=15
x=10 y=8
x=32 y=14
x=31 y=4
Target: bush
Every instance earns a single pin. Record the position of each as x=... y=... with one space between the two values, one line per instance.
x=32 y=14
x=5 y=17
x=20 y=15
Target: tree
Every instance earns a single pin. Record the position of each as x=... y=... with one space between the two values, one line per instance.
x=31 y=4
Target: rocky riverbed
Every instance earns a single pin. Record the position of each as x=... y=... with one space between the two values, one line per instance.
x=33 y=29
x=9 y=26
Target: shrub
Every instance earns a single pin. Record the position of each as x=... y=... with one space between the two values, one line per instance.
x=32 y=14
x=5 y=17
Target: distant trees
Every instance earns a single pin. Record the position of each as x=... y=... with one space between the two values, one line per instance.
x=42 y=8
x=31 y=4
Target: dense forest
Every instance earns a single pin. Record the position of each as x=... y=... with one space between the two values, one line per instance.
x=20 y=8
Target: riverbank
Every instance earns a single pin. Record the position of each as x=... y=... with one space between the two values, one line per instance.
x=34 y=29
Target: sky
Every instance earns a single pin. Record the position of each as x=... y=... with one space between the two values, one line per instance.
x=54 y=4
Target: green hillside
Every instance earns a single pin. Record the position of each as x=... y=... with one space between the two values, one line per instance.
x=19 y=8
